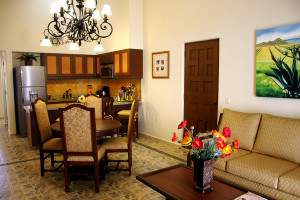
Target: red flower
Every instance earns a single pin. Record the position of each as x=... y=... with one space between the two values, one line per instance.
x=174 y=137
x=220 y=143
x=226 y=131
x=183 y=124
x=236 y=144
x=197 y=143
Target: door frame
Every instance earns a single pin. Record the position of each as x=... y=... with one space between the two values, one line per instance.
x=182 y=72
x=4 y=81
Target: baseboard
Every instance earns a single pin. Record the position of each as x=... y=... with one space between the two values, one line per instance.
x=149 y=135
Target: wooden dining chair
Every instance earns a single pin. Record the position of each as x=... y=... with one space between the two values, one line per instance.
x=79 y=140
x=107 y=107
x=95 y=102
x=122 y=144
x=48 y=144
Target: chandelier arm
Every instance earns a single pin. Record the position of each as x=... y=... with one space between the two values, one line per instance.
x=58 y=27
x=76 y=24
x=105 y=25
x=69 y=14
x=93 y=32
x=50 y=31
x=72 y=2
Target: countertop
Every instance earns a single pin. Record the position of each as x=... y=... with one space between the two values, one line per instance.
x=57 y=105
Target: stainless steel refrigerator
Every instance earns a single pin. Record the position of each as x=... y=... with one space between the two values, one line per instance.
x=29 y=84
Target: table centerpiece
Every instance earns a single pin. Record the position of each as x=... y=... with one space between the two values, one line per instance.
x=205 y=148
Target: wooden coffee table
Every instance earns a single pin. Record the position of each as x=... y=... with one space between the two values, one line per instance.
x=176 y=182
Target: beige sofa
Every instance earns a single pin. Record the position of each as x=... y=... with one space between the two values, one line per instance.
x=269 y=158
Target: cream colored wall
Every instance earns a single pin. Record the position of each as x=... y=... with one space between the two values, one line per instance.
x=22 y=24
x=23 y=21
x=169 y=24
x=136 y=24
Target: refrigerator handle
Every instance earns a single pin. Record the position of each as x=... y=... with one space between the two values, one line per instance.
x=22 y=96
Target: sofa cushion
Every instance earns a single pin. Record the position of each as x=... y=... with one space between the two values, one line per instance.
x=279 y=137
x=260 y=168
x=221 y=162
x=243 y=126
x=290 y=182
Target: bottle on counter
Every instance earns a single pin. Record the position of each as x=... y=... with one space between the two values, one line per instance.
x=89 y=89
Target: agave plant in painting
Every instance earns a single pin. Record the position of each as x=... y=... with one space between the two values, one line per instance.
x=285 y=76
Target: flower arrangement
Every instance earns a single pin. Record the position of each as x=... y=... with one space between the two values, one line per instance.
x=81 y=99
x=206 y=146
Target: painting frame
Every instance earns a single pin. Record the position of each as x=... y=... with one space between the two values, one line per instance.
x=277 y=66
x=161 y=65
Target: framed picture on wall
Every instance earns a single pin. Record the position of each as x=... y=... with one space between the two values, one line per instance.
x=277 y=61
x=160 y=64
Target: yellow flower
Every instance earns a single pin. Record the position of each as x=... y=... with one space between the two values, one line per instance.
x=186 y=141
x=81 y=99
x=227 y=150
x=219 y=135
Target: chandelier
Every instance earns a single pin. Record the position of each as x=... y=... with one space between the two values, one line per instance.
x=75 y=21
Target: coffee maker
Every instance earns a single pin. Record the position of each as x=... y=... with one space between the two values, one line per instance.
x=104 y=92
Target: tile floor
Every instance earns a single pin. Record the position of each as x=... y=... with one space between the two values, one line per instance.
x=20 y=175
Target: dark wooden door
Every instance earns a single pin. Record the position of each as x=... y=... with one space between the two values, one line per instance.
x=201 y=84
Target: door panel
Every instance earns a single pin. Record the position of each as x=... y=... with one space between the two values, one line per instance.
x=90 y=65
x=66 y=65
x=201 y=84
x=117 y=63
x=51 y=64
x=125 y=63
x=78 y=65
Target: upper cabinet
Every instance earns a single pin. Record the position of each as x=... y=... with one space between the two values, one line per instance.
x=126 y=63
x=51 y=61
x=90 y=65
x=65 y=64
x=69 y=66
x=78 y=65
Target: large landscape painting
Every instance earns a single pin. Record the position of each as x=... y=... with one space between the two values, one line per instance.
x=277 y=61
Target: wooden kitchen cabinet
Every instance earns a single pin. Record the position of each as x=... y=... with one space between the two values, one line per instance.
x=69 y=66
x=51 y=63
x=65 y=64
x=90 y=65
x=98 y=65
x=78 y=65
x=128 y=63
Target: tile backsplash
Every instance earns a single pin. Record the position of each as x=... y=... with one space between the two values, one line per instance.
x=56 y=88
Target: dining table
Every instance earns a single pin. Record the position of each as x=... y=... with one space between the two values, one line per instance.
x=104 y=127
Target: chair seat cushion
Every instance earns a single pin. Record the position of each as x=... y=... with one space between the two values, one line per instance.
x=55 y=144
x=124 y=112
x=115 y=143
x=221 y=162
x=101 y=152
x=290 y=182
x=260 y=168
